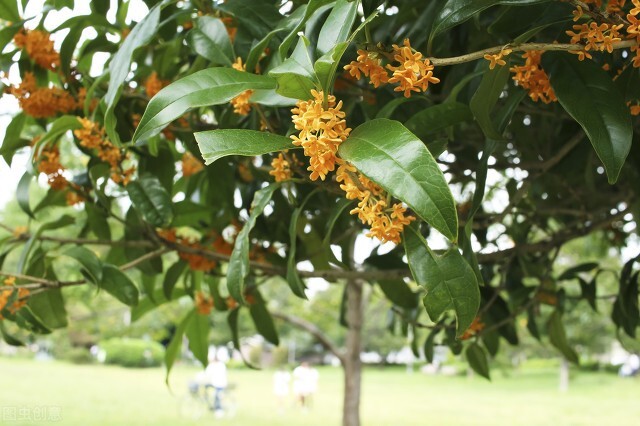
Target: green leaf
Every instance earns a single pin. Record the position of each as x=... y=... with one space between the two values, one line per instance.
x=8 y=338
x=397 y=291
x=215 y=144
x=197 y=332
x=121 y=63
x=211 y=40
x=212 y=86
x=485 y=98
x=337 y=27
x=119 y=285
x=588 y=293
x=394 y=158
x=331 y=222
x=450 y=282
x=22 y=193
x=7 y=33
x=97 y=220
x=12 y=141
x=61 y=222
x=171 y=278
x=238 y=268
x=175 y=345
x=455 y=12
x=263 y=321
x=48 y=306
x=575 y=271
x=307 y=12
x=589 y=95
x=477 y=359
x=296 y=76
x=151 y=199
x=9 y=10
x=432 y=120
x=558 y=337
x=58 y=128
x=91 y=265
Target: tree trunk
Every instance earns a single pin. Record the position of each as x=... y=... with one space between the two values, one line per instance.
x=352 y=365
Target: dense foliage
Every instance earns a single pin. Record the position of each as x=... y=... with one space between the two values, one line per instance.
x=232 y=140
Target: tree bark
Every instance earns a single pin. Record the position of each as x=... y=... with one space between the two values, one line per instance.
x=352 y=365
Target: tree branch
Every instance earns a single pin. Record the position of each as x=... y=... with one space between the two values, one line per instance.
x=313 y=330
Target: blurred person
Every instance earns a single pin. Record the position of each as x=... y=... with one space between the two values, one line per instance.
x=305 y=383
x=216 y=377
x=281 y=380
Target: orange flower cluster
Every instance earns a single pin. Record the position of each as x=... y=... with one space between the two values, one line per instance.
x=633 y=30
x=386 y=224
x=204 y=303
x=153 y=84
x=39 y=47
x=533 y=78
x=6 y=294
x=369 y=64
x=496 y=59
x=635 y=109
x=322 y=130
x=92 y=136
x=231 y=27
x=42 y=102
x=241 y=103
x=413 y=73
x=197 y=262
x=50 y=165
x=190 y=164
x=281 y=168
x=473 y=329
x=597 y=37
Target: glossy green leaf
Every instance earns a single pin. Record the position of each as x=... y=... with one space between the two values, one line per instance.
x=263 y=321
x=151 y=199
x=212 y=86
x=450 y=282
x=91 y=264
x=394 y=158
x=558 y=337
x=337 y=27
x=97 y=220
x=296 y=76
x=434 y=119
x=12 y=141
x=175 y=345
x=293 y=278
x=308 y=10
x=120 y=64
x=215 y=144
x=48 y=306
x=488 y=92
x=477 y=359
x=589 y=95
x=210 y=39
x=255 y=17
x=197 y=332
x=238 y=268
x=61 y=222
x=9 y=10
x=150 y=302
x=171 y=278
x=8 y=338
x=331 y=222
x=455 y=12
x=58 y=128
x=22 y=193
x=574 y=271
x=119 y=285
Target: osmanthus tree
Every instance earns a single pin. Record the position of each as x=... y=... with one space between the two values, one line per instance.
x=232 y=140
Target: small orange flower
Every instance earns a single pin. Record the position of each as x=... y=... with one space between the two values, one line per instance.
x=6 y=294
x=280 y=168
x=42 y=102
x=190 y=164
x=533 y=78
x=369 y=64
x=49 y=164
x=413 y=74
x=322 y=130
x=496 y=59
x=153 y=84
x=473 y=329
x=204 y=303
x=241 y=105
x=39 y=47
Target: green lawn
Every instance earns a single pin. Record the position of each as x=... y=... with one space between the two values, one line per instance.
x=105 y=395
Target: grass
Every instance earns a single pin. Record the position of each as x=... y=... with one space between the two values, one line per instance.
x=107 y=395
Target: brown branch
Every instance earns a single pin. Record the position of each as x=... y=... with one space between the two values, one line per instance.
x=313 y=330
x=524 y=47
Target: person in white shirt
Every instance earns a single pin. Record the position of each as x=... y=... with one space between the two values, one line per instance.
x=281 y=380
x=305 y=383
x=216 y=376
